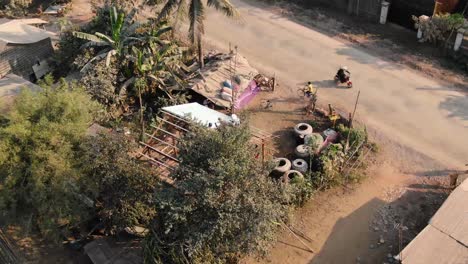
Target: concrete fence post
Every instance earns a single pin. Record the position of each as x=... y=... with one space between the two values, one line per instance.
x=459 y=39
x=384 y=12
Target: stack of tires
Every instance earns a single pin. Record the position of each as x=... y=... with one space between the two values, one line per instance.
x=302 y=130
x=308 y=142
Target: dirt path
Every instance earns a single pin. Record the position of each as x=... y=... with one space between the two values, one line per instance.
x=413 y=111
x=344 y=225
x=420 y=123
x=81 y=11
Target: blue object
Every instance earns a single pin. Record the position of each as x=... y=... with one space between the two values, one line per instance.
x=227 y=84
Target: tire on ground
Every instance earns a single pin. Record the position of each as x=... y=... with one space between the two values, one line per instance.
x=292 y=175
x=282 y=165
x=302 y=151
x=300 y=165
x=303 y=129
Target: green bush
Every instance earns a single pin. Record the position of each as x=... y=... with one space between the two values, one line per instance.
x=439 y=27
x=300 y=190
x=37 y=163
x=14 y=8
x=222 y=205
x=357 y=137
x=120 y=186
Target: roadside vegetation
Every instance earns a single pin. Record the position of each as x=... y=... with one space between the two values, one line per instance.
x=57 y=179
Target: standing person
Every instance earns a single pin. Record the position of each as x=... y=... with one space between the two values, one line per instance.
x=311 y=94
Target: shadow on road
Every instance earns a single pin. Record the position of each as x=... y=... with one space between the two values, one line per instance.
x=356 y=237
x=457 y=106
x=353 y=52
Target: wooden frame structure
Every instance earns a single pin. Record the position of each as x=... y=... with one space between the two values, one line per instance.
x=160 y=148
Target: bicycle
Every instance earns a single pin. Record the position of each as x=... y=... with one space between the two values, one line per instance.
x=310 y=108
x=302 y=92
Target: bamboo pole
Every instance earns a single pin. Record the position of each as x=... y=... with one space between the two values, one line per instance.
x=298 y=238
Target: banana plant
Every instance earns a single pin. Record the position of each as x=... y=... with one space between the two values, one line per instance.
x=154 y=66
x=122 y=30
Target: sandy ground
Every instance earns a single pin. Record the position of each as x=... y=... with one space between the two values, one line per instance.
x=345 y=225
x=412 y=110
x=420 y=123
x=406 y=112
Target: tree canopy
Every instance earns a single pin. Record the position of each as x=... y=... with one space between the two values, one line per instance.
x=121 y=186
x=56 y=177
x=222 y=205
x=37 y=175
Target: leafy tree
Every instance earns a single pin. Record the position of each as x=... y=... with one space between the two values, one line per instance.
x=156 y=65
x=121 y=34
x=120 y=186
x=195 y=11
x=102 y=83
x=14 y=7
x=38 y=178
x=222 y=205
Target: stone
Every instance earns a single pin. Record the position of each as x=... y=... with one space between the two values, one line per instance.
x=371 y=246
x=376 y=229
x=381 y=241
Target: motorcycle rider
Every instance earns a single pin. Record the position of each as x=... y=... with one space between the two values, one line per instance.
x=343 y=74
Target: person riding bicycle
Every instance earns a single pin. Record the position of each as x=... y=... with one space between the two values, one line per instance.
x=343 y=74
x=310 y=90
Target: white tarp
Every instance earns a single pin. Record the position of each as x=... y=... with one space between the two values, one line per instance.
x=19 y=32
x=199 y=113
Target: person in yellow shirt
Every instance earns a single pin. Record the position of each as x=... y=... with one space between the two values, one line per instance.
x=310 y=90
x=311 y=94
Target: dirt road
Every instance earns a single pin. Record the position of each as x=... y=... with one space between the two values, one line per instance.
x=428 y=116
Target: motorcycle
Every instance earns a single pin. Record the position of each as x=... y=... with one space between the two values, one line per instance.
x=349 y=84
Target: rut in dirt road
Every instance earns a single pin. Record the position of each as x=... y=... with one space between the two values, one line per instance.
x=429 y=117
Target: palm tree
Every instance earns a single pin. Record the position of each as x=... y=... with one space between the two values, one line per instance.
x=195 y=11
x=122 y=30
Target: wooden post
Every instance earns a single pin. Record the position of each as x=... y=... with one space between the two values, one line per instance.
x=355 y=106
x=263 y=153
x=274 y=82
x=233 y=72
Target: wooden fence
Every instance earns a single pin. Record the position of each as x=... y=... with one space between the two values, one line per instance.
x=7 y=254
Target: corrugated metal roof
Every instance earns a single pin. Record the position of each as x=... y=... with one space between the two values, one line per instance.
x=11 y=85
x=217 y=71
x=445 y=239
x=19 y=32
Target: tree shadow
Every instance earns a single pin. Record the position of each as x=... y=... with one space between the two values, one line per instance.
x=356 y=53
x=457 y=106
x=358 y=239
x=330 y=83
x=436 y=173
